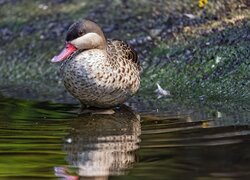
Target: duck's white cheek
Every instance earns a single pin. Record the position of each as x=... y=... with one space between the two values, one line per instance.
x=88 y=41
x=78 y=42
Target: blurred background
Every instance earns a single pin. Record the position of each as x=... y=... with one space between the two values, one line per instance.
x=194 y=50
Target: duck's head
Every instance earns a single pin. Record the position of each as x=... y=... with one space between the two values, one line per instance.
x=81 y=35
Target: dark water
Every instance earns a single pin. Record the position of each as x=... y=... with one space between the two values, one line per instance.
x=42 y=140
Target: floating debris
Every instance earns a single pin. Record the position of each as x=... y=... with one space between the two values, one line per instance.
x=161 y=92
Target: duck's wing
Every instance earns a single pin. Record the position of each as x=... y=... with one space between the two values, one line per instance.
x=120 y=49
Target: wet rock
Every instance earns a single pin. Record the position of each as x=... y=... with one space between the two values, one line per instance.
x=2 y=2
x=59 y=1
x=155 y=32
x=110 y=28
x=5 y=33
x=1 y=51
x=27 y=30
x=55 y=30
x=202 y=98
x=140 y=40
x=43 y=6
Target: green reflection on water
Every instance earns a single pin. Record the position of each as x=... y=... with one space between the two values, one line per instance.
x=45 y=140
x=31 y=138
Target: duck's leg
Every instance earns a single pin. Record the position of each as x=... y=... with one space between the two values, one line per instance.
x=103 y=111
x=96 y=111
x=84 y=109
x=87 y=110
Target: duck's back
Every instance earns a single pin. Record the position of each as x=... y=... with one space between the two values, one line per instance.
x=103 y=78
x=120 y=51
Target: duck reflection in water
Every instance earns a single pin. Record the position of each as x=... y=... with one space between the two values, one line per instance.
x=101 y=145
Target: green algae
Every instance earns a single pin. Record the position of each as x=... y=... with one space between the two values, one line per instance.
x=211 y=66
x=205 y=57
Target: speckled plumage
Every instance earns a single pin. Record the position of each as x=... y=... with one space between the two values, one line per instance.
x=103 y=77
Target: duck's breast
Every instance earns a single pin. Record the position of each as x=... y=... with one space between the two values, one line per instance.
x=80 y=73
x=92 y=79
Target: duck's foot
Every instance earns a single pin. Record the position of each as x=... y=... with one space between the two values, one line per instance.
x=104 y=111
x=96 y=111
x=84 y=110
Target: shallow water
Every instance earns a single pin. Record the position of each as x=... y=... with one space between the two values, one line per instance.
x=42 y=140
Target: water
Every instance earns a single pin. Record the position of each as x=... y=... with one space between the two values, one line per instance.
x=42 y=140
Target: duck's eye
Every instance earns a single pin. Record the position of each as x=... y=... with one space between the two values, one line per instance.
x=80 y=33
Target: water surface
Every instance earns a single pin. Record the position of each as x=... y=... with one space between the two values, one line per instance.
x=43 y=140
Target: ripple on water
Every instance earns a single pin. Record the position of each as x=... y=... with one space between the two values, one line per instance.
x=44 y=140
x=192 y=146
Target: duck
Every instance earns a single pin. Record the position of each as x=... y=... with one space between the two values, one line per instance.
x=99 y=72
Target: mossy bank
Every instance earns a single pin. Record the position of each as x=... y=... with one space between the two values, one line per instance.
x=192 y=52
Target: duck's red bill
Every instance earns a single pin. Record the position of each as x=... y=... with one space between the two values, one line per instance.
x=65 y=53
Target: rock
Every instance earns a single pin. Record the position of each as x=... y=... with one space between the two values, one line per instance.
x=155 y=32
x=5 y=33
x=27 y=30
